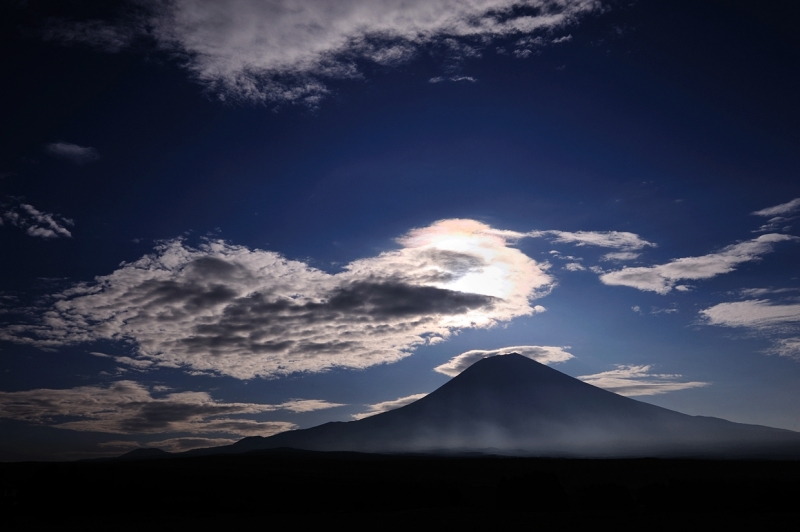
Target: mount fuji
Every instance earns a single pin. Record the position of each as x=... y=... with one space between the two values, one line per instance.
x=511 y=404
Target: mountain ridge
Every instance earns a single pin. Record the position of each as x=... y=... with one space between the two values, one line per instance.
x=517 y=405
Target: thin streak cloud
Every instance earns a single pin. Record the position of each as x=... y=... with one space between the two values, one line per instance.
x=779 y=210
x=632 y=381
x=758 y=314
x=73 y=152
x=385 y=406
x=606 y=239
x=664 y=277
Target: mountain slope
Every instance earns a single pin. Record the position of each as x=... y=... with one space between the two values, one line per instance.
x=514 y=404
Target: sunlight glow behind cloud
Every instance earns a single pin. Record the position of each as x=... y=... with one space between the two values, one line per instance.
x=226 y=309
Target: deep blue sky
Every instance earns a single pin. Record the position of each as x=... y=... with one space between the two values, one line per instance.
x=670 y=123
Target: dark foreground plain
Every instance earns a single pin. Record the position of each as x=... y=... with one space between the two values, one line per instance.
x=288 y=486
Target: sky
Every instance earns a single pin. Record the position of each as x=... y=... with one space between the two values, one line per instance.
x=230 y=218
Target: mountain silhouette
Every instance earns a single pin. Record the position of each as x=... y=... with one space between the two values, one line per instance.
x=512 y=404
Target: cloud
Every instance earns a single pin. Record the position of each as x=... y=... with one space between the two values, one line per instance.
x=73 y=152
x=127 y=407
x=35 y=222
x=574 y=267
x=621 y=256
x=607 y=239
x=545 y=354
x=385 y=406
x=565 y=38
x=757 y=314
x=778 y=216
x=778 y=210
x=637 y=380
x=173 y=445
x=663 y=278
x=284 y=51
x=758 y=292
x=439 y=79
x=762 y=317
x=786 y=347
x=138 y=364
x=226 y=309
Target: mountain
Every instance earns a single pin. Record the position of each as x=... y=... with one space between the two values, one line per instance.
x=512 y=404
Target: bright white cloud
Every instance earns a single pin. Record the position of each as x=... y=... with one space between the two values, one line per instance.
x=754 y=314
x=280 y=50
x=541 y=353
x=35 y=222
x=663 y=278
x=385 y=406
x=73 y=152
x=229 y=310
x=638 y=380
x=764 y=318
x=574 y=267
x=127 y=407
x=779 y=210
x=606 y=239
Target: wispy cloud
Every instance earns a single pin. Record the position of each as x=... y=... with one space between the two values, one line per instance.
x=780 y=210
x=638 y=380
x=379 y=408
x=541 y=353
x=33 y=221
x=73 y=152
x=606 y=239
x=779 y=216
x=439 y=79
x=786 y=347
x=759 y=292
x=230 y=310
x=762 y=318
x=758 y=314
x=621 y=256
x=273 y=50
x=127 y=407
x=664 y=277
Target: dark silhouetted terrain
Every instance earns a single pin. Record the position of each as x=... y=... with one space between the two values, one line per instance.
x=306 y=487
x=513 y=405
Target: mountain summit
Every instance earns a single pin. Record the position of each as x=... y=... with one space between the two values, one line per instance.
x=510 y=403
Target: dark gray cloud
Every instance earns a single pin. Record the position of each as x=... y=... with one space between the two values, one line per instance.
x=34 y=222
x=73 y=152
x=127 y=407
x=230 y=310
